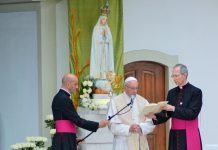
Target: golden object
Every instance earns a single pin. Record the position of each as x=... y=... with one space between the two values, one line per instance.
x=105 y=10
x=110 y=76
x=117 y=83
x=100 y=91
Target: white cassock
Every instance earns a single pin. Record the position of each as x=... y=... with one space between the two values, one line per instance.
x=120 y=124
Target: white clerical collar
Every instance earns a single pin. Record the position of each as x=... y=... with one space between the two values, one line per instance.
x=181 y=87
x=66 y=91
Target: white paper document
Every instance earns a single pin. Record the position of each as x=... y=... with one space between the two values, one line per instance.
x=154 y=107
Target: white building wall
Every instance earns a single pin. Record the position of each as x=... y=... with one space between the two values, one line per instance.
x=19 y=105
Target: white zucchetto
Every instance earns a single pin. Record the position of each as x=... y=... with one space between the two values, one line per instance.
x=130 y=79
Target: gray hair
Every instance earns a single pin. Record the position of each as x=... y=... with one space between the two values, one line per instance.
x=183 y=68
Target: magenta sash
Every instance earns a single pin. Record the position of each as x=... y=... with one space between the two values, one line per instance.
x=192 y=133
x=65 y=126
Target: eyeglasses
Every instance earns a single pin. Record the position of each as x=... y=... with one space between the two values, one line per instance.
x=175 y=75
x=132 y=88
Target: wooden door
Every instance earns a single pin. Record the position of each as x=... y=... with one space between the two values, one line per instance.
x=151 y=77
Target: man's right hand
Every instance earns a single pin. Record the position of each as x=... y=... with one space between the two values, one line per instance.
x=103 y=123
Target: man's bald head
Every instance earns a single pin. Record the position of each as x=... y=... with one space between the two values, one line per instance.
x=70 y=82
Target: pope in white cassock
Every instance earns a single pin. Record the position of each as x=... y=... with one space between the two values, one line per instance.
x=130 y=127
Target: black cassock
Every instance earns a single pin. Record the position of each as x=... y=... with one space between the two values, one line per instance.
x=62 y=108
x=184 y=133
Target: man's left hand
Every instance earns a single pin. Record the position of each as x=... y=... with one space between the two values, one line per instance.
x=168 y=108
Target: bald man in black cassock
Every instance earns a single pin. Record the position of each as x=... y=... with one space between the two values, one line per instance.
x=66 y=117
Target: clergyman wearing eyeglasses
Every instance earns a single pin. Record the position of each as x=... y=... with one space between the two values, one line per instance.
x=184 y=107
x=129 y=127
